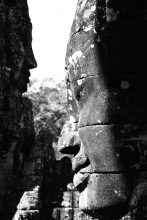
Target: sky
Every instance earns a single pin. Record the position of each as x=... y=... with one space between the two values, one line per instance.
x=52 y=20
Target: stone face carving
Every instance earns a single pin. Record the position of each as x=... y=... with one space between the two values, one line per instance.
x=17 y=134
x=16 y=37
x=17 y=59
x=106 y=128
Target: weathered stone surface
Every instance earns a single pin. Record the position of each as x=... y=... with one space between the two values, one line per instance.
x=111 y=148
x=69 y=138
x=113 y=193
x=72 y=109
x=26 y=164
x=114 y=99
x=106 y=54
x=29 y=201
x=17 y=138
x=27 y=215
x=106 y=82
x=66 y=213
x=60 y=213
x=82 y=59
x=86 y=16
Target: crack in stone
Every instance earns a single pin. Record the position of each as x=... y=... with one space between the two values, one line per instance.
x=101 y=124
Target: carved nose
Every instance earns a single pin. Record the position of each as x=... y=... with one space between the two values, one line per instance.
x=80 y=160
x=69 y=142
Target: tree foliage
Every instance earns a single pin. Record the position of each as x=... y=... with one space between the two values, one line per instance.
x=49 y=105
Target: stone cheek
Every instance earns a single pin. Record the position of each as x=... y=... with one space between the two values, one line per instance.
x=112 y=191
x=111 y=98
x=82 y=56
x=109 y=150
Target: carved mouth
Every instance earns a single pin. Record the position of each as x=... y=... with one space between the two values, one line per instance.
x=82 y=168
x=80 y=180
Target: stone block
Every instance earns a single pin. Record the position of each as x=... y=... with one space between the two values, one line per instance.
x=111 y=148
x=106 y=195
x=76 y=195
x=113 y=99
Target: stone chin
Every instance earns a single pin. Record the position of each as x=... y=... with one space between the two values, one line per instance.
x=105 y=195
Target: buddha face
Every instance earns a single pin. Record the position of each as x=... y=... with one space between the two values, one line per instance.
x=105 y=125
x=19 y=55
